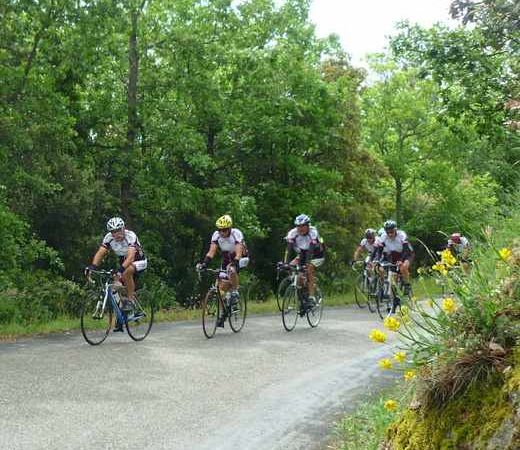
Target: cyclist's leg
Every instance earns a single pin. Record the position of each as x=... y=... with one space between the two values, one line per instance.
x=311 y=274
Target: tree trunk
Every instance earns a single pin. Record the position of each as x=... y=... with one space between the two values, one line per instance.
x=398 y=201
x=133 y=119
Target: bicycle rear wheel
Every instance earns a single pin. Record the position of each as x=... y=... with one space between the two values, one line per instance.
x=359 y=294
x=314 y=314
x=95 y=322
x=139 y=321
x=238 y=318
x=290 y=308
x=210 y=313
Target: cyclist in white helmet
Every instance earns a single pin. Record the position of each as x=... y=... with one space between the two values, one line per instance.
x=127 y=247
x=305 y=241
x=367 y=244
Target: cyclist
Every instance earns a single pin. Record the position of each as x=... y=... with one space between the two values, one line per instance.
x=393 y=246
x=231 y=243
x=460 y=248
x=132 y=260
x=367 y=244
x=305 y=241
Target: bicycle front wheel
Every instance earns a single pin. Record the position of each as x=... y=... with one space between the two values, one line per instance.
x=95 y=321
x=383 y=303
x=359 y=294
x=314 y=314
x=281 y=290
x=290 y=308
x=210 y=313
x=238 y=317
x=139 y=321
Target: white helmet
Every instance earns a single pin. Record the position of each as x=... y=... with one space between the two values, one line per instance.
x=115 y=223
x=302 y=219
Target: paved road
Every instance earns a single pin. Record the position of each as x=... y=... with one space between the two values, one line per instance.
x=263 y=388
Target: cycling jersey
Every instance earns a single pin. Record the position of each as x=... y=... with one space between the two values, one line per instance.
x=304 y=244
x=393 y=250
x=227 y=244
x=120 y=248
x=458 y=249
x=369 y=247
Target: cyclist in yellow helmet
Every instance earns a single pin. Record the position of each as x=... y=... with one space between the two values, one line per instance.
x=232 y=246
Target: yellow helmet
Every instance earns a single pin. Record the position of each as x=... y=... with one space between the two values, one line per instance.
x=224 y=222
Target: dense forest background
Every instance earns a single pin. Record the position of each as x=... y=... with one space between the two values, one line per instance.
x=171 y=113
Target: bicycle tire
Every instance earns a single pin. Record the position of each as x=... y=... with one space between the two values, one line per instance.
x=383 y=302
x=359 y=296
x=237 y=319
x=95 y=324
x=210 y=313
x=315 y=313
x=372 y=295
x=139 y=322
x=282 y=286
x=290 y=308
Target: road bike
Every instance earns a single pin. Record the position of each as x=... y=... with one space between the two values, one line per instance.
x=391 y=290
x=295 y=298
x=365 y=286
x=101 y=310
x=218 y=306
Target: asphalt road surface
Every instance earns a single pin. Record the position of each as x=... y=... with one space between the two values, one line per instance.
x=263 y=388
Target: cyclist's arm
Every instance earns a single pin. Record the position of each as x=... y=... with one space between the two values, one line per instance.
x=359 y=249
x=288 y=251
x=407 y=251
x=100 y=254
x=130 y=257
x=213 y=247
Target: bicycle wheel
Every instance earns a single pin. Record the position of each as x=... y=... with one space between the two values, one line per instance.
x=95 y=322
x=359 y=294
x=290 y=308
x=383 y=302
x=238 y=318
x=280 y=291
x=139 y=321
x=314 y=314
x=210 y=313
x=373 y=289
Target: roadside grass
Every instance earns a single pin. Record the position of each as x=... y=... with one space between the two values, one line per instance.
x=365 y=427
x=10 y=331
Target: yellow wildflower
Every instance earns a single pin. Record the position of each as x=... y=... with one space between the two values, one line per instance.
x=448 y=305
x=385 y=364
x=391 y=323
x=505 y=254
x=400 y=357
x=409 y=375
x=441 y=268
x=377 y=335
x=447 y=258
x=390 y=405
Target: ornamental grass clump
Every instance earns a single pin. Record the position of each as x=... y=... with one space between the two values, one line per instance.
x=451 y=343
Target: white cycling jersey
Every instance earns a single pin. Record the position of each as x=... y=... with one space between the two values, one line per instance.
x=120 y=248
x=303 y=241
x=227 y=244
x=393 y=245
x=369 y=247
x=459 y=248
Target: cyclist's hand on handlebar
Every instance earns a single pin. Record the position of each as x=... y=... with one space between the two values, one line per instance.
x=201 y=266
x=89 y=269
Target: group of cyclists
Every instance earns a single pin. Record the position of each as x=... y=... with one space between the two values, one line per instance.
x=305 y=249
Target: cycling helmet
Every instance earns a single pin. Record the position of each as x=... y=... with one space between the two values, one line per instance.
x=115 y=223
x=224 y=222
x=370 y=233
x=390 y=225
x=455 y=238
x=302 y=219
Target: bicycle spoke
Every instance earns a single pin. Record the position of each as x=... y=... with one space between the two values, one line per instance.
x=314 y=314
x=139 y=321
x=210 y=313
x=290 y=308
x=95 y=322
